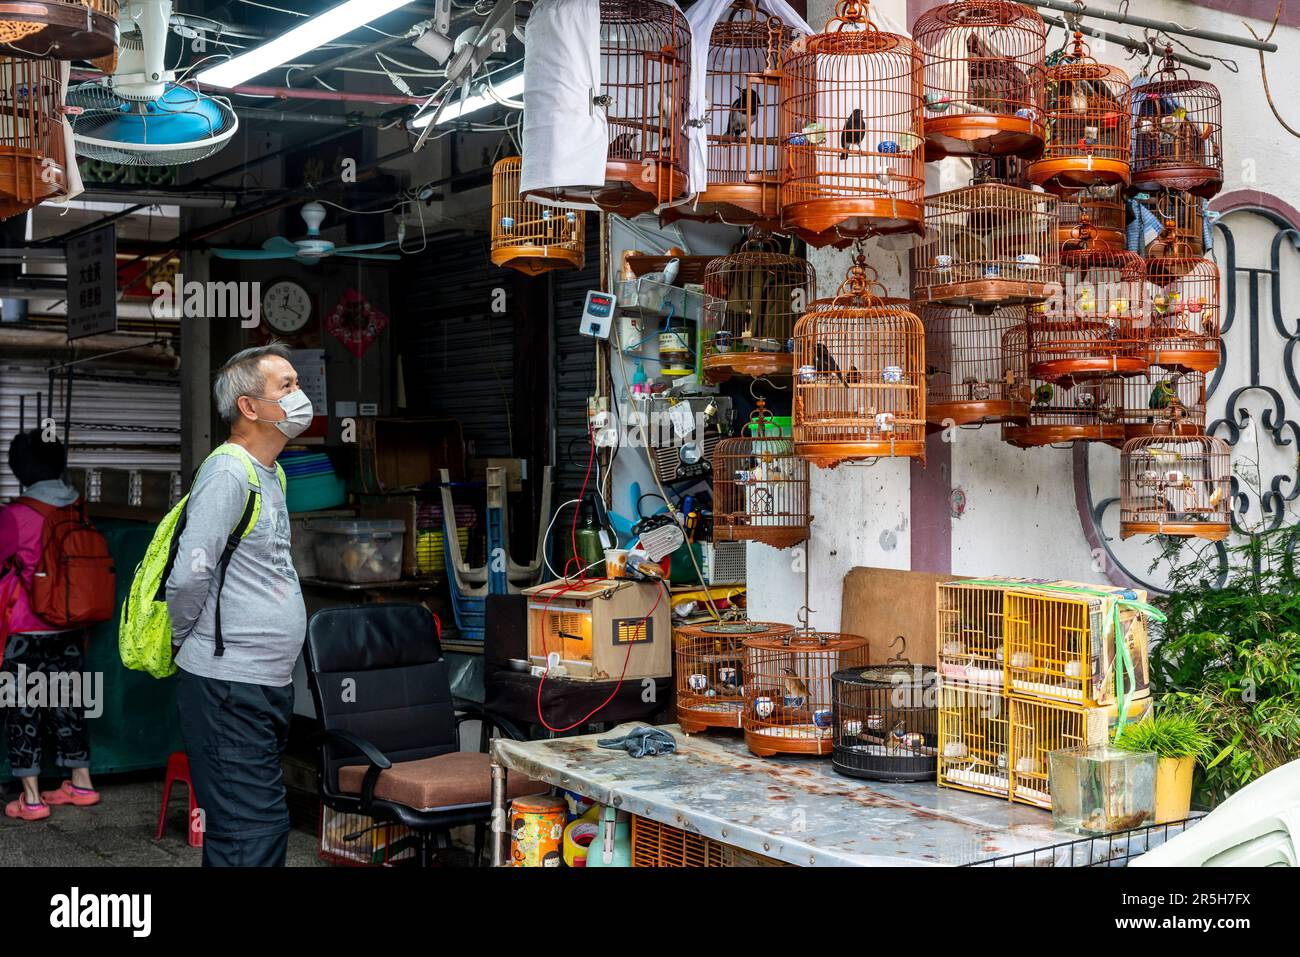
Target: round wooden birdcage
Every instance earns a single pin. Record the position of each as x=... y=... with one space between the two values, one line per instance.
x=851 y=124
x=743 y=151
x=993 y=245
x=59 y=29
x=1185 y=315
x=859 y=377
x=1179 y=485
x=760 y=488
x=788 y=694
x=1097 y=325
x=974 y=374
x=528 y=236
x=1065 y=411
x=983 y=78
x=33 y=152
x=1177 y=132
x=709 y=661
x=752 y=299
x=1182 y=219
x=1102 y=206
x=1087 y=134
x=1162 y=402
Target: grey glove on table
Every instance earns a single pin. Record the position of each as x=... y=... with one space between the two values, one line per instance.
x=641 y=741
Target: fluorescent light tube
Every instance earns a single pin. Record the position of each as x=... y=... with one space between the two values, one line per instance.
x=308 y=35
x=506 y=89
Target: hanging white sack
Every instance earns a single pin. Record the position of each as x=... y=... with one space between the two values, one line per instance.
x=71 y=173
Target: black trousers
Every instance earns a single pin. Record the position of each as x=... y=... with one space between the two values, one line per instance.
x=235 y=735
x=62 y=722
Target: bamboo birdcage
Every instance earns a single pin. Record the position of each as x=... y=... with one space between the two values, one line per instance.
x=528 y=236
x=788 y=689
x=1185 y=312
x=970 y=377
x=1178 y=485
x=59 y=29
x=994 y=245
x=1098 y=326
x=1177 y=132
x=1037 y=729
x=645 y=53
x=974 y=740
x=1087 y=132
x=969 y=643
x=1064 y=411
x=1162 y=402
x=852 y=128
x=1103 y=206
x=743 y=151
x=983 y=78
x=709 y=661
x=752 y=299
x=1182 y=214
x=885 y=722
x=33 y=151
x=760 y=488
x=859 y=377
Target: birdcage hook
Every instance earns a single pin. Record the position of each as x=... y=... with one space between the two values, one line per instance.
x=899 y=658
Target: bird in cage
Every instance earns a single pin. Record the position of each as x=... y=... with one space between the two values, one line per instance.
x=796 y=689
x=1216 y=497
x=854 y=132
x=996 y=83
x=1164 y=394
x=1044 y=394
x=825 y=362
x=623 y=144
x=743 y=108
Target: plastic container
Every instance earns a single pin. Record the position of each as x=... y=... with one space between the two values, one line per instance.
x=1102 y=790
x=360 y=550
x=311 y=493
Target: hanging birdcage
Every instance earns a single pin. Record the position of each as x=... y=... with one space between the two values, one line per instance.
x=1178 y=218
x=752 y=299
x=1177 y=485
x=59 y=29
x=1184 y=296
x=788 y=689
x=1064 y=411
x=1097 y=326
x=530 y=237
x=885 y=722
x=741 y=139
x=645 y=51
x=970 y=375
x=851 y=123
x=1162 y=402
x=760 y=489
x=993 y=245
x=1103 y=206
x=709 y=661
x=983 y=78
x=1177 y=132
x=859 y=377
x=1005 y=170
x=33 y=149
x=1087 y=134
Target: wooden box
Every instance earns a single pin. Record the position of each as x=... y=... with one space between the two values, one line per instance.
x=596 y=627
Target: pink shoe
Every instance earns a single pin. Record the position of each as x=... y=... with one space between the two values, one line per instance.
x=69 y=793
x=28 y=812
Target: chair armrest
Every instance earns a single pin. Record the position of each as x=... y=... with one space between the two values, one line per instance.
x=378 y=760
x=470 y=711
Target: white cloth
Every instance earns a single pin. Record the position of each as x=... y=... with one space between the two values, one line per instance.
x=71 y=172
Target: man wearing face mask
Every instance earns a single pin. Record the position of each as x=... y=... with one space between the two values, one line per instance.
x=235 y=686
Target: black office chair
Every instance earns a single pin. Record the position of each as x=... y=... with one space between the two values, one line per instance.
x=390 y=748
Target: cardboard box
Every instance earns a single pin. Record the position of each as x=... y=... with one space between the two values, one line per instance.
x=882 y=604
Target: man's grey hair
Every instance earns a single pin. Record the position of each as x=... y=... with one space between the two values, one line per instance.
x=241 y=375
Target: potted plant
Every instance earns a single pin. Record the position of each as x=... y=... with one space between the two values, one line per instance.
x=1178 y=739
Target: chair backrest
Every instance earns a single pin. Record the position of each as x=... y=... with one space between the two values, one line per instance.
x=377 y=671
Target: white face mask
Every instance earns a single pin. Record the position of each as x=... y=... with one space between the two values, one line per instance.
x=297 y=412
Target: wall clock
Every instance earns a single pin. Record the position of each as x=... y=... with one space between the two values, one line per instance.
x=286 y=306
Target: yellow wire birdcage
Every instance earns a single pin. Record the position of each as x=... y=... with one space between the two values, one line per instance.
x=33 y=151
x=528 y=236
x=971 y=377
x=1178 y=485
x=59 y=29
x=1162 y=402
x=969 y=646
x=710 y=671
x=859 y=377
x=852 y=129
x=974 y=740
x=1178 y=130
x=760 y=488
x=983 y=78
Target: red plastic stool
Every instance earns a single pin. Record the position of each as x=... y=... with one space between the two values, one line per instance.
x=178 y=769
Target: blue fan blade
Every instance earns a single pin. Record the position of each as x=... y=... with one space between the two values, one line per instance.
x=250 y=254
x=389 y=257
x=361 y=249
x=280 y=244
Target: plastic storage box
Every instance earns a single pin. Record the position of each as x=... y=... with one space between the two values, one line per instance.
x=360 y=550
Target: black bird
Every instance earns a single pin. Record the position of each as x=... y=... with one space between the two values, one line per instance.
x=854 y=132
x=825 y=362
x=743 y=108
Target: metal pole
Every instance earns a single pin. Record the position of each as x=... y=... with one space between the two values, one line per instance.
x=1164 y=26
x=1128 y=42
x=498 y=815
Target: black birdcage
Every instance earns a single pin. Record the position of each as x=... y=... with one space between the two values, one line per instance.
x=885 y=722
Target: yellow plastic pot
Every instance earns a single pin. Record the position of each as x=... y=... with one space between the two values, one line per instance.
x=1174 y=788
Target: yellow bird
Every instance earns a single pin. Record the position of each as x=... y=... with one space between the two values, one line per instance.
x=1216 y=497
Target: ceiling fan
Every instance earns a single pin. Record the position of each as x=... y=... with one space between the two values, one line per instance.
x=311 y=249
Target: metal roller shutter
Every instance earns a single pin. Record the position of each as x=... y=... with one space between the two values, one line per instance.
x=573 y=368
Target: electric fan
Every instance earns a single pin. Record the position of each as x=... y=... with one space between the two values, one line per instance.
x=310 y=250
x=140 y=115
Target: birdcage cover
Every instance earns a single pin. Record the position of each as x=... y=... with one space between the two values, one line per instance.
x=74 y=185
x=703 y=17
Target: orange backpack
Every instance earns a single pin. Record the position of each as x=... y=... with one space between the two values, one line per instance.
x=73 y=584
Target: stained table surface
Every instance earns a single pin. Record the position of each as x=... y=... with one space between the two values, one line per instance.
x=796 y=810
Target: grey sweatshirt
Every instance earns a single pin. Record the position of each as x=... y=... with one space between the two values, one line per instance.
x=263 y=619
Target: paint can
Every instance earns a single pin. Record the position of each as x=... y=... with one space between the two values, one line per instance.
x=536 y=830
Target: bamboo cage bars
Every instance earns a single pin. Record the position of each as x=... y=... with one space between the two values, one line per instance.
x=528 y=236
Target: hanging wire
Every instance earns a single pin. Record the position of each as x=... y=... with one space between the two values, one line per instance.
x=1263 y=71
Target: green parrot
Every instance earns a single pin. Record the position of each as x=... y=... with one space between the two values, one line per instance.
x=1043 y=394
x=1162 y=395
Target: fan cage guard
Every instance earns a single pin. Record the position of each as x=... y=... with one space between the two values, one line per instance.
x=1178 y=134
x=972 y=377
x=1162 y=402
x=760 y=488
x=59 y=29
x=995 y=245
x=984 y=75
x=885 y=722
x=1177 y=485
x=1087 y=133
x=530 y=237
x=709 y=662
x=791 y=713
x=752 y=299
x=103 y=107
x=32 y=148
x=852 y=126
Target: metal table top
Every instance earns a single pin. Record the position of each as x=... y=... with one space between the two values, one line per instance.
x=793 y=809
